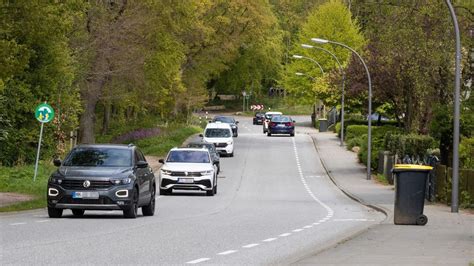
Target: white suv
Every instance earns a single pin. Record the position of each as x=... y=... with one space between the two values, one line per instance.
x=220 y=134
x=188 y=169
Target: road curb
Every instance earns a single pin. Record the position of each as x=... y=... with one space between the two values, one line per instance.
x=344 y=190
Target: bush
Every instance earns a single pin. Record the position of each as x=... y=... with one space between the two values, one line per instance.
x=355 y=131
x=412 y=145
x=355 y=142
x=466 y=153
x=351 y=122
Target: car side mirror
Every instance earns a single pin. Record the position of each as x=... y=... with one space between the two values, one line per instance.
x=57 y=162
x=161 y=161
x=236 y=122
x=201 y=135
x=142 y=164
x=294 y=121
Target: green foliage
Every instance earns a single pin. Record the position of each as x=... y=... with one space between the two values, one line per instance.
x=19 y=179
x=331 y=20
x=466 y=153
x=172 y=137
x=412 y=145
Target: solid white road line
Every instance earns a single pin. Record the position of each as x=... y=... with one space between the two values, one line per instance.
x=198 y=261
x=227 y=252
x=250 y=245
x=308 y=226
x=269 y=239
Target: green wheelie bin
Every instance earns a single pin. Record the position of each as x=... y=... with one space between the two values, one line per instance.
x=410 y=186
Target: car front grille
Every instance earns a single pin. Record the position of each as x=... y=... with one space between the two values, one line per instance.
x=221 y=145
x=101 y=200
x=177 y=173
x=79 y=184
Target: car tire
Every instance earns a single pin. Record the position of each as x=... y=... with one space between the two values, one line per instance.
x=210 y=193
x=231 y=154
x=149 y=210
x=165 y=191
x=215 y=189
x=269 y=134
x=55 y=213
x=292 y=134
x=132 y=210
x=78 y=212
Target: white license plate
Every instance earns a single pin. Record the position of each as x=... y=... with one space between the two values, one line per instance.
x=186 y=180
x=85 y=195
x=281 y=125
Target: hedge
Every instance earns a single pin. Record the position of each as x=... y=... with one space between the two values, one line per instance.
x=412 y=145
x=351 y=122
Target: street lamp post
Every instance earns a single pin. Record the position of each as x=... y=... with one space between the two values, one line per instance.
x=311 y=59
x=369 y=135
x=457 y=89
x=343 y=82
x=304 y=74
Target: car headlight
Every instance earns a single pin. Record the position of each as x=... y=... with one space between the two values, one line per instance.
x=229 y=142
x=206 y=172
x=165 y=172
x=122 y=181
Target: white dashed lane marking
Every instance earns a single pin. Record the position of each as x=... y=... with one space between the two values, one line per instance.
x=285 y=234
x=42 y=221
x=298 y=230
x=250 y=245
x=15 y=224
x=198 y=261
x=227 y=252
x=269 y=239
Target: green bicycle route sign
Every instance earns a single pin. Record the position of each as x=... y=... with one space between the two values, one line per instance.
x=44 y=113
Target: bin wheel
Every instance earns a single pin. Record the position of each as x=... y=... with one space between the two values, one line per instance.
x=421 y=220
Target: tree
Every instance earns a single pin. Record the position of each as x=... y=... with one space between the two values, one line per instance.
x=332 y=21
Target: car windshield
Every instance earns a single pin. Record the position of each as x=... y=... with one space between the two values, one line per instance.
x=269 y=116
x=224 y=119
x=281 y=119
x=99 y=157
x=188 y=157
x=217 y=133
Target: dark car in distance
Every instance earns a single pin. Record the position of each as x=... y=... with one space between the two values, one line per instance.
x=228 y=120
x=212 y=150
x=258 y=118
x=102 y=177
x=281 y=125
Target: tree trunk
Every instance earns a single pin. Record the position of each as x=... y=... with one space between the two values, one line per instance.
x=106 y=118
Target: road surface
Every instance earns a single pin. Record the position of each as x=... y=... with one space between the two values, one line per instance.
x=275 y=205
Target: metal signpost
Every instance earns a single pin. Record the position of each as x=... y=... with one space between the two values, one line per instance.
x=44 y=113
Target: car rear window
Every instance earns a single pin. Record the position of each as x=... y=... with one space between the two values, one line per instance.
x=281 y=119
x=99 y=157
x=224 y=119
x=188 y=157
x=217 y=133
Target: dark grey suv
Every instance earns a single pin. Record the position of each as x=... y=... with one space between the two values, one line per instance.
x=102 y=177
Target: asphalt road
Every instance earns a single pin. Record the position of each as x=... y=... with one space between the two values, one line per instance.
x=275 y=205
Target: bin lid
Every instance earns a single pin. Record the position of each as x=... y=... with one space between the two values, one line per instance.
x=412 y=167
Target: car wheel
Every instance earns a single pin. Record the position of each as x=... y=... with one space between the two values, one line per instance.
x=218 y=168
x=55 y=213
x=292 y=134
x=149 y=210
x=215 y=189
x=210 y=192
x=231 y=154
x=131 y=211
x=165 y=191
x=78 y=212
x=269 y=134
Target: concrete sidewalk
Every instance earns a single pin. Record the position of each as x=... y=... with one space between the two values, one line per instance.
x=447 y=239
